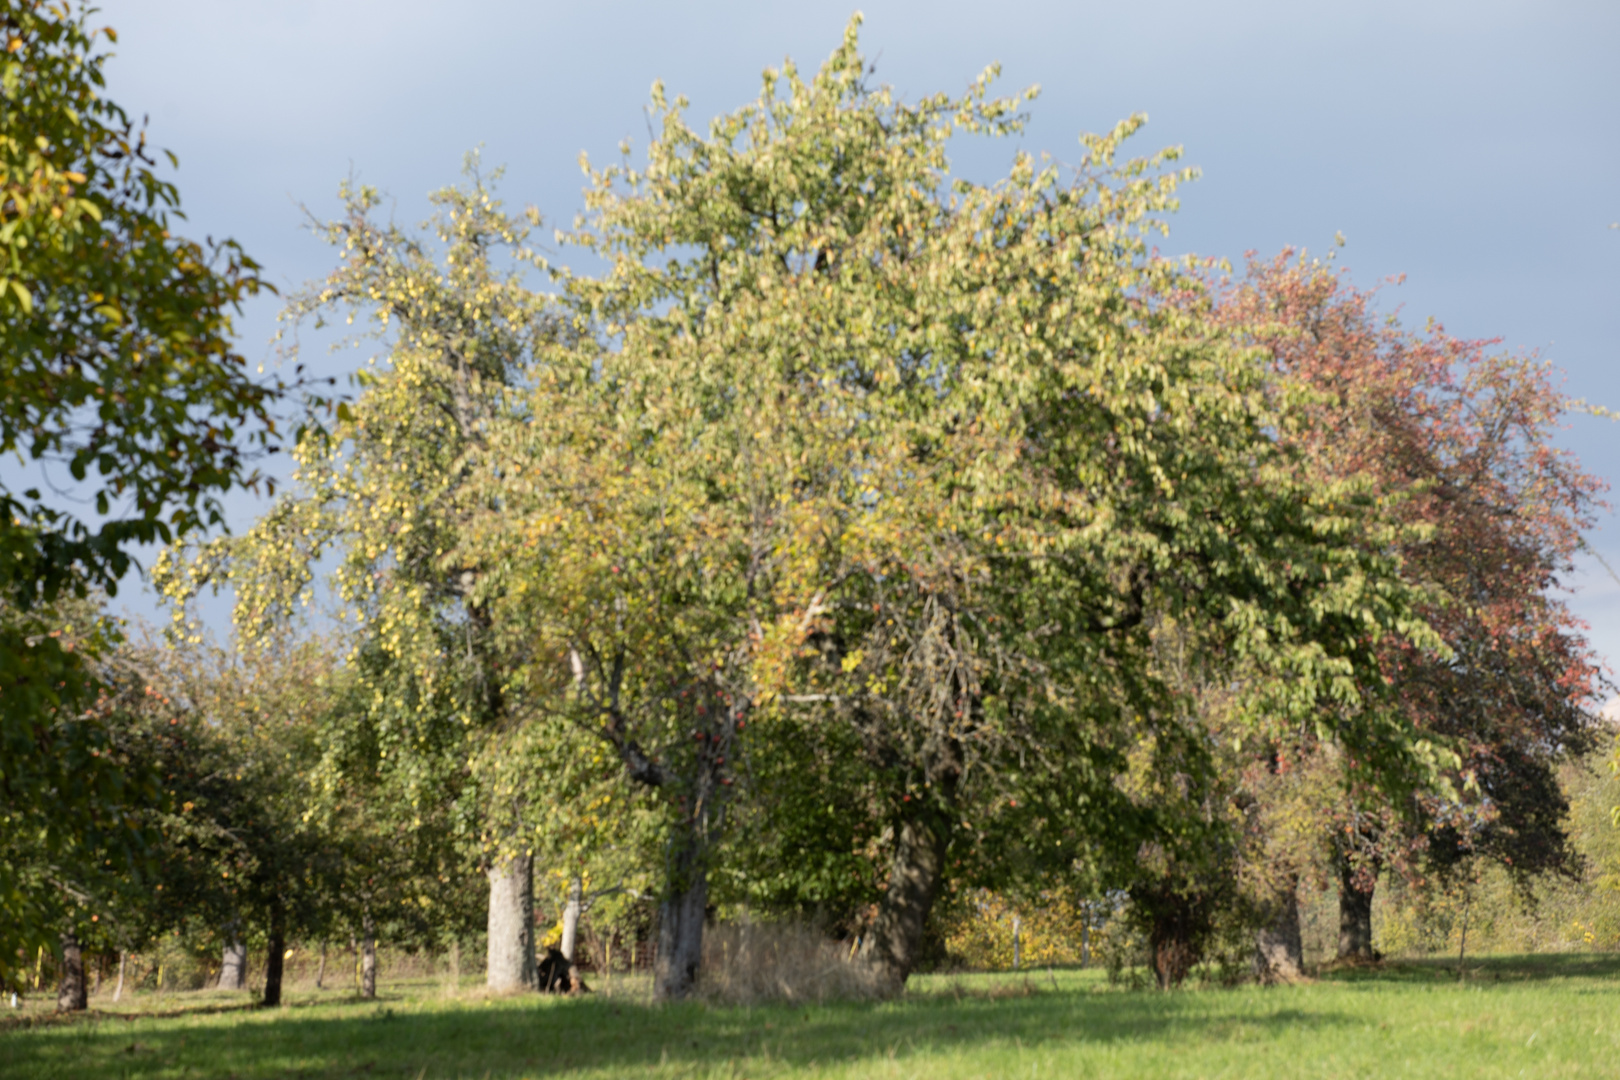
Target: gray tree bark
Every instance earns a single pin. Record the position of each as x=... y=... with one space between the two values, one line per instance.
x=893 y=945
x=1279 y=954
x=233 y=965
x=702 y=801
x=680 y=933
x=570 y=927
x=368 y=955
x=71 y=995
x=511 y=925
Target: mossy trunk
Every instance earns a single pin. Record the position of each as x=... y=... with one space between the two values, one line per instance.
x=1173 y=950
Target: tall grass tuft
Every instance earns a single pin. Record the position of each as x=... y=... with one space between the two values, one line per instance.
x=752 y=963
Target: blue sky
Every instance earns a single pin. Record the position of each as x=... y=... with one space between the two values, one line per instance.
x=1473 y=147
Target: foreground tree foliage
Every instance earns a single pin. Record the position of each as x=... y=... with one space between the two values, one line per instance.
x=119 y=379
x=117 y=363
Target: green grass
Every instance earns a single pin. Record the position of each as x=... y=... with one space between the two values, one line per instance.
x=1545 y=1016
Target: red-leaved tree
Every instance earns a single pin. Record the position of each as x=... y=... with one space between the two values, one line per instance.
x=1458 y=439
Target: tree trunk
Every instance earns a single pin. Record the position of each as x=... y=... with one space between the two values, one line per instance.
x=680 y=930
x=1355 y=916
x=118 y=991
x=233 y=964
x=1279 y=955
x=70 y=992
x=368 y=955
x=893 y=945
x=275 y=955
x=511 y=925
x=570 y=928
x=1462 y=943
x=1171 y=946
x=320 y=972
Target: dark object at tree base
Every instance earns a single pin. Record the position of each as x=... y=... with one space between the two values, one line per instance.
x=558 y=976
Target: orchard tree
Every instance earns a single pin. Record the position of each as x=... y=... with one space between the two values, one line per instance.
x=1459 y=441
x=234 y=743
x=385 y=491
x=403 y=868
x=214 y=757
x=922 y=464
x=1285 y=788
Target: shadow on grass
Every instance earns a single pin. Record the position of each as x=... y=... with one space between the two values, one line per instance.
x=48 y=1019
x=197 y=1006
x=1532 y=967
x=524 y=1037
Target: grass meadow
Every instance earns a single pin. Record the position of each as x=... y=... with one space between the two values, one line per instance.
x=1540 y=1016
